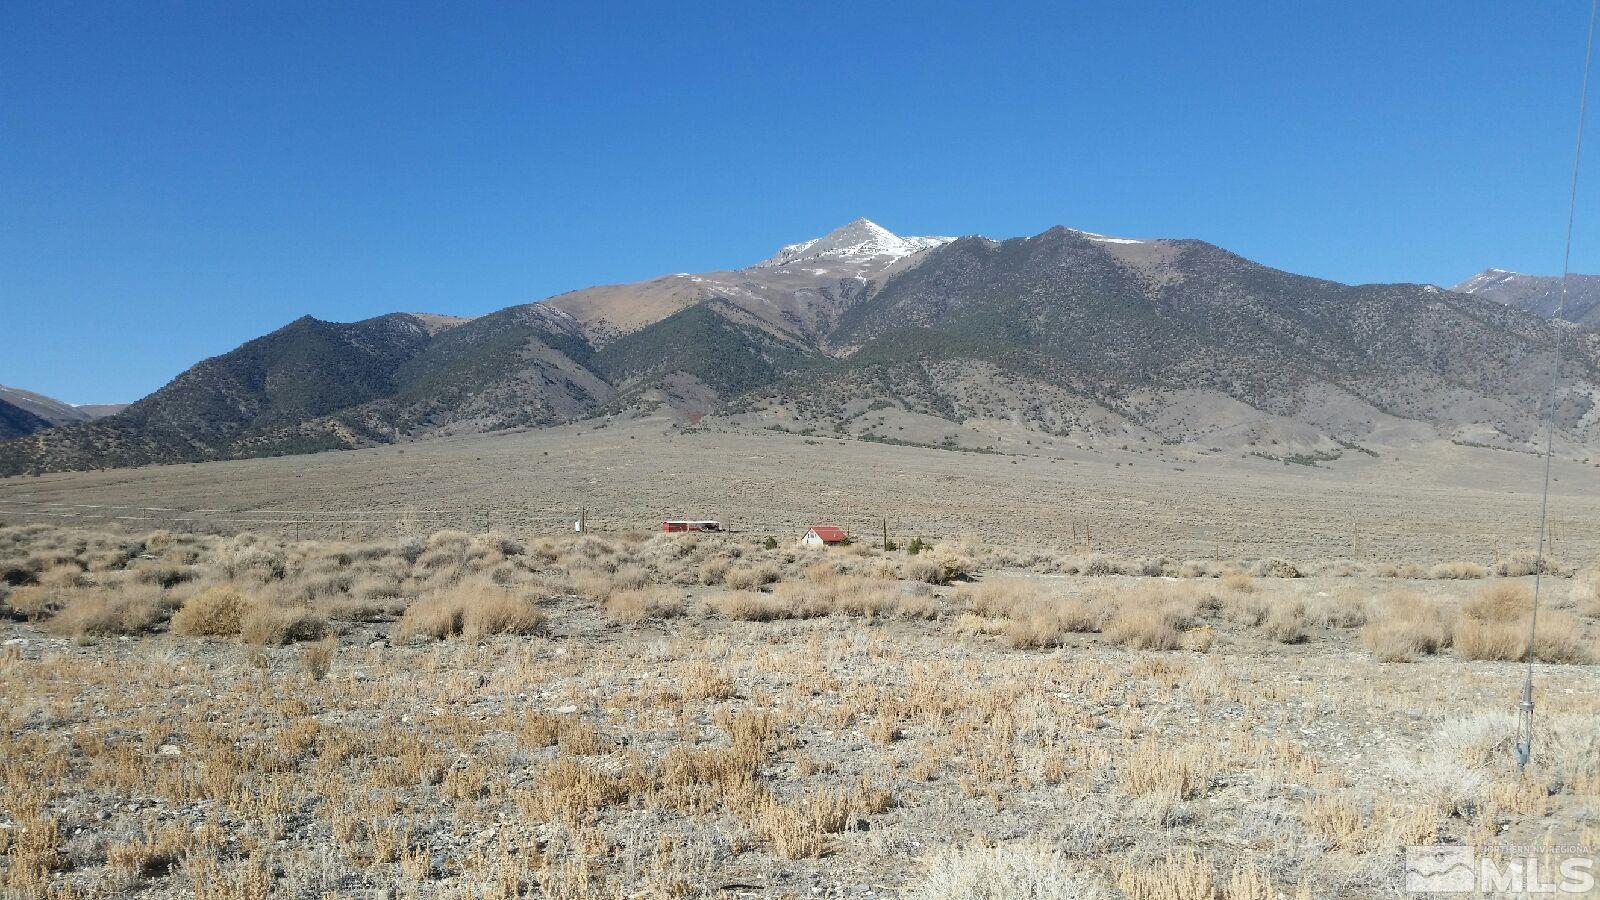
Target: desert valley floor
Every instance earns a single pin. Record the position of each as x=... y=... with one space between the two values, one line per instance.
x=1424 y=503
x=1161 y=675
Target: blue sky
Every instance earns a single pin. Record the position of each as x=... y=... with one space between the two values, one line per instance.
x=176 y=179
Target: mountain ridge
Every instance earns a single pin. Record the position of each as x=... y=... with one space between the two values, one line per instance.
x=1577 y=301
x=1068 y=334
x=24 y=412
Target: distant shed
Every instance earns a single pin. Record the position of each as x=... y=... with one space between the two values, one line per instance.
x=820 y=535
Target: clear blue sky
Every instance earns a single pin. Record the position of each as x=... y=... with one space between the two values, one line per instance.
x=176 y=179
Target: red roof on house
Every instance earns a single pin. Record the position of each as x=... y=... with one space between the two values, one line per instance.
x=829 y=533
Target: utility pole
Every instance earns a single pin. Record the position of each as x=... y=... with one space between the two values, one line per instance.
x=886 y=533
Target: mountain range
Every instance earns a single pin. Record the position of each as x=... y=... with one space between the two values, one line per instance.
x=25 y=412
x=1575 y=300
x=1066 y=335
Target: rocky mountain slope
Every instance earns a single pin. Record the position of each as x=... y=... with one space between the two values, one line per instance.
x=17 y=422
x=1539 y=294
x=1067 y=335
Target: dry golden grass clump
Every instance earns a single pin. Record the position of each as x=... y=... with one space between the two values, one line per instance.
x=1500 y=602
x=1405 y=625
x=276 y=626
x=218 y=611
x=600 y=584
x=1034 y=617
x=1180 y=876
x=245 y=561
x=1286 y=621
x=1165 y=772
x=1339 y=609
x=1239 y=582
x=1589 y=597
x=1146 y=628
x=1493 y=625
x=808 y=599
x=1273 y=567
x=644 y=604
x=126 y=610
x=32 y=602
x=1527 y=564
x=1002 y=598
x=473 y=609
x=754 y=606
x=316 y=658
x=936 y=566
x=1457 y=571
x=1157 y=617
x=750 y=577
x=713 y=571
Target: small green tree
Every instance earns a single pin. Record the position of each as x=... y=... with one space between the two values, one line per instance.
x=771 y=543
x=916 y=546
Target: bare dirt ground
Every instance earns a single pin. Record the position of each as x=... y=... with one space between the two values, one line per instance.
x=682 y=716
x=1424 y=503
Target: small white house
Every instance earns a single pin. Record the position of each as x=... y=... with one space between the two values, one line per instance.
x=823 y=535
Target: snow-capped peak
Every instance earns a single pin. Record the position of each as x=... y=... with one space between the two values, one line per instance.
x=860 y=240
x=1487 y=278
x=1105 y=238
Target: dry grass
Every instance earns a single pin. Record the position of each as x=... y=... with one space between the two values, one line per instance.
x=1493 y=625
x=436 y=617
x=32 y=602
x=753 y=606
x=614 y=757
x=1559 y=639
x=491 y=611
x=218 y=611
x=1034 y=617
x=1167 y=773
x=316 y=659
x=1152 y=620
x=749 y=578
x=1286 y=621
x=1458 y=570
x=1027 y=872
x=1586 y=595
x=1502 y=602
x=1179 y=876
x=132 y=610
x=473 y=609
x=1404 y=626
x=276 y=625
x=1240 y=582
x=637 y=605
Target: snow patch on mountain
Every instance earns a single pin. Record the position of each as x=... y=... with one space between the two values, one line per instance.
x=860 y=240
x=1106 y=239
x=1488 y=278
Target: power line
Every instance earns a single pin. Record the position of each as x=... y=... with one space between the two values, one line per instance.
x=1525 y=709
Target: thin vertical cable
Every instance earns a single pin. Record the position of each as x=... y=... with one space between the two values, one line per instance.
x=1525 y=711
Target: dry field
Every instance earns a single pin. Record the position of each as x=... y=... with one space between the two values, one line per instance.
x=1427 y=503
x=478 y=715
